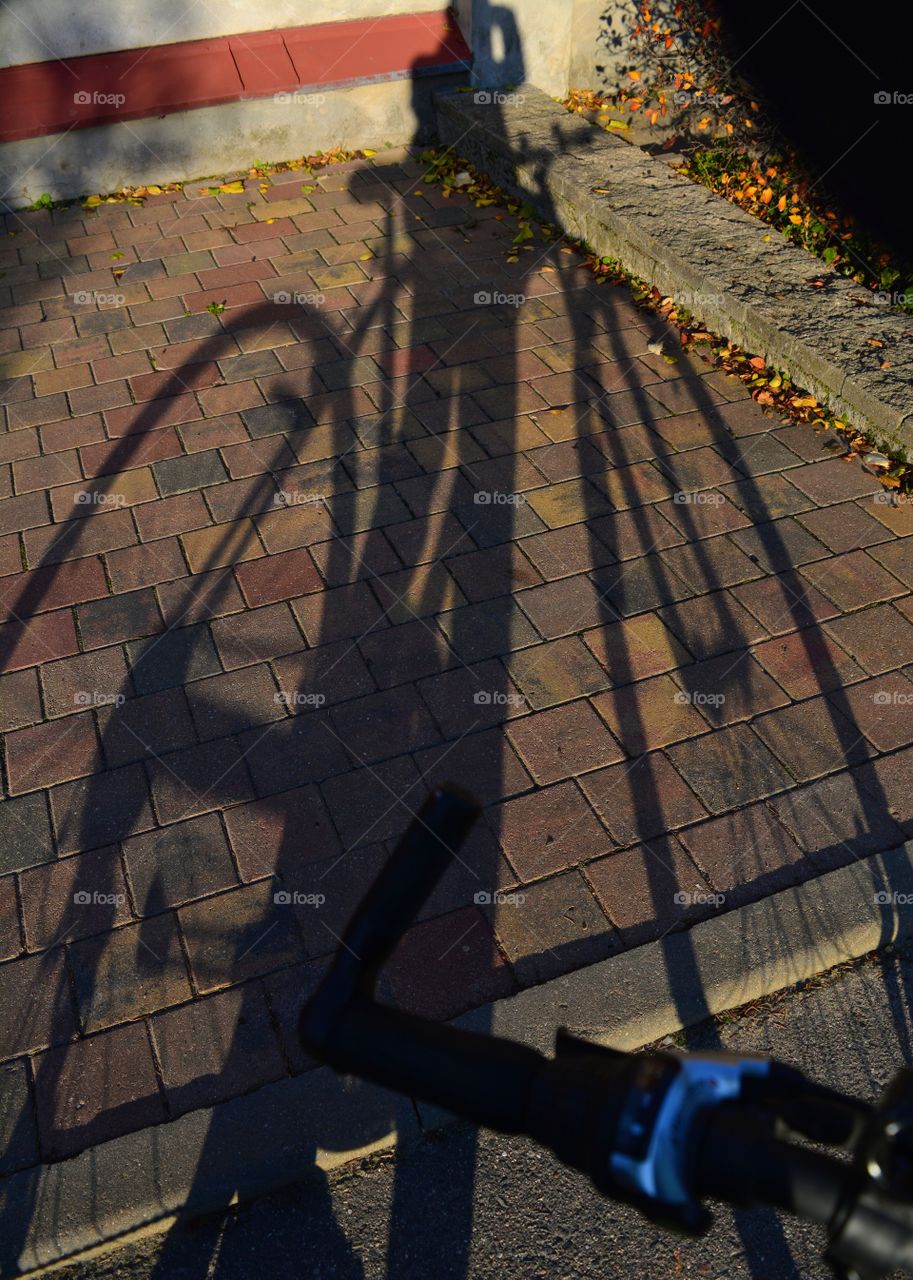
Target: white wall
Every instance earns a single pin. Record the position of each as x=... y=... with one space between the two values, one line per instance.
x=38 y=30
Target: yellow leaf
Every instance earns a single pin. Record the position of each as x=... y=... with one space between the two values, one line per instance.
x=804 y=402
x=367 y=152
x=795 y=219
x=365 y=256
x=92 y=202
x=232 y=188
x=270 y=221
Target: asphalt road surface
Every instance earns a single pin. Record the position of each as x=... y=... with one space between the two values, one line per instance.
x=468 y=1205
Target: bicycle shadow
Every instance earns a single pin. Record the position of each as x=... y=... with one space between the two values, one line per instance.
x=293 y=846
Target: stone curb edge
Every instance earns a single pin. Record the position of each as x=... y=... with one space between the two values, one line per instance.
x=736 y=274
x=300 y=1129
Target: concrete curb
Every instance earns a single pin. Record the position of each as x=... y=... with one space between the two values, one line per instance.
x=739 y=277
x=300 y=1129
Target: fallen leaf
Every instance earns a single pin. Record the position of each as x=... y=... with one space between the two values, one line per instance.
x=232 y=188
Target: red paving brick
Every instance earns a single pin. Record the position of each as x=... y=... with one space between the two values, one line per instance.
x=241 y=677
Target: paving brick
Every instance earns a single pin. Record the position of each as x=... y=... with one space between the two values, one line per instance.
x=565 y=607
x=73 y=898
x=198 y=597
x=53 y=752
x=729 y=768
x=383 y=724
x=713 y=624
x=174 y=865
x=812 y=738
x=552 y=927
x=196 y=780
x=563 y=742
x=25 y=833
x=493 y=571
x=649 y=714
x=558 y=553
x=132 y=568
x=25 y=512
x=40 y=473
x=178 y=514
x=568 y=503
x=256 y=635
x=339 y=613
x=238 y=935
x=898 y=519
x=10 y=554
x=101 y=809
x=118 y=618
x=334 y=671
x=836 y=821
x=95 y=1089
x=784 y=602
x=20 y=701
x=110 y=456
x=145 y=727
x=36 y=1008
x=128 y=972
x=711 y=564
x=779 y=545
x=556 y=672
x=888 y=778
x=880 y=709
x=172 y=659
x=278 y=577
x=548 y=830
x=374 y=805
x=834 y=480
x=807 y=662
x=19 y=1132
x=641 y=889
x=104 y=532
x=84 y=680
x=744 y=854
x=190 y=472
x=897 y=558
x=232 y=703
x=730 y=688
x=853 y=580
x=641 y=799
x=629 y=534
x=636 y=648
x=363 y=556
x=880 y=639
x=222 y=545
x=449 y=964
x=845 y=527
x=216 y=1048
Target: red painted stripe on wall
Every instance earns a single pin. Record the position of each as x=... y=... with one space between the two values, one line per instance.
x=52 y=97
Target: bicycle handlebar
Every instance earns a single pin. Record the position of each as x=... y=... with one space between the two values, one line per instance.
x=657 y=1130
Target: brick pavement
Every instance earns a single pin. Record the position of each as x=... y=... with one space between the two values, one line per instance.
x=292 y=527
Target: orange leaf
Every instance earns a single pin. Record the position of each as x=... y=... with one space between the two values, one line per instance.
x=635 y=75
x=795 y=219
x=767 y=195
x=781 y=203
x=757 y=363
